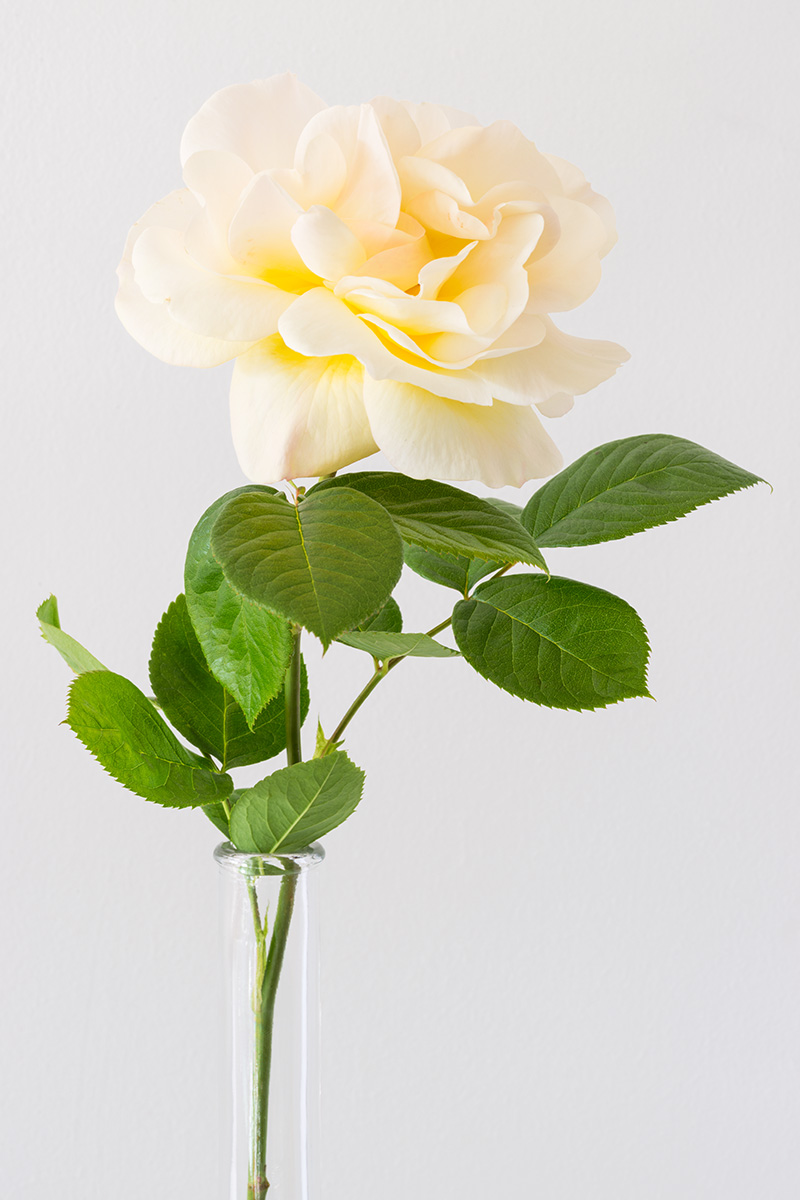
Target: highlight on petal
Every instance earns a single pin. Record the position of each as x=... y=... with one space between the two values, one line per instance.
x=260 y=122
x=318 y=324
x=236 y=308
x=293 y=416
x=559 y=365
x=426 y=436
x=371 y=189
x=151 y=323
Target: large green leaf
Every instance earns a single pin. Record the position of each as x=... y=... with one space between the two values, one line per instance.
x=396 y=645
x=199 y=706
x=296 y=805
x=246 y=646
x=126 y=735
x=442 y=518
x=73 y=653
x=554 y=641
x=326 y=564
x=627 y=486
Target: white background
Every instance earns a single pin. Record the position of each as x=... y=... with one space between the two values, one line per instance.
x=562 y=950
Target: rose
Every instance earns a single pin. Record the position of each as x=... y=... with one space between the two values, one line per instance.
x=383 y=275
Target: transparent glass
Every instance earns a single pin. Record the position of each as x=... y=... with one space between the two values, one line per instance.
x=270 y=1113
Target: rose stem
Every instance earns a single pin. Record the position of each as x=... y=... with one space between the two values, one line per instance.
x=269 y=971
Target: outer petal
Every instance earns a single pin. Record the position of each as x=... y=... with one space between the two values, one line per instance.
x=261 y=122
x=429 y=437
x=214 y=305
x=151 y=323
x=486 y=156
x=559 y=365
x=569 y=272
x=293 y=416
x=576 y=187
x=320 y=325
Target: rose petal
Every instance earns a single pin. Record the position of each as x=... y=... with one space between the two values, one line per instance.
x=260 y=122
x=293 y=416
x=486 y=156
x=208 y=303
x=151 y=323
x=570 y=271
x=559 y=364
x=429 y=437
x=327 y=246
x=371 y=191
x=576 y=187
x=320 y=325
x=260 y=235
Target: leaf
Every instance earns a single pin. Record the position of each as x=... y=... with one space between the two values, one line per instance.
x=627 y=486
x=200 y=708
x=73 y=653
x=325 y=565
x=246 y=646
x=442 y=518
x=554 y=641
x=291 y=808
x=126 y=735
x=216 y=815
x=451 y=571
x=388 y=619
x=386 y=646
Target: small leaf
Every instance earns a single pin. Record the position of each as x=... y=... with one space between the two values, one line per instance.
x=388 y=619
x=216 y=815
x=246 y=646
x=200 y=708
x=291 y=808
x=627 y=486
x=326 y=564
x=386 y=646
x=73 y=653
x=460 y=573
x=554 y=641
x=442 y=518
x=120 y=727
x=322 y=742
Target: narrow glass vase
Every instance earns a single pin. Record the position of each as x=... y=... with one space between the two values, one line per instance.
x=271 y=981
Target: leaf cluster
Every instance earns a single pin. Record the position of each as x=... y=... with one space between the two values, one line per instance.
x=225 y=670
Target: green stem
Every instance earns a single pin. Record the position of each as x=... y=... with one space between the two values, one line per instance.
x=269 y=964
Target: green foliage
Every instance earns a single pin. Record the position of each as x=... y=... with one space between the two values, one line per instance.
x=442 y=518
x=388 y=619
x=73 y=653
x=386 y=646
x=126 y=735
x=200 y=708
x=246 y=646
x=458 y=572
x=291 y=808
x=326 y=565
x=627 y=486
x=554 y=641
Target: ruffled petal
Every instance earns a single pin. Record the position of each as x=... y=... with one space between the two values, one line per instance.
x=320 y=325
x=151 y=323
x=371 y=189
x=293 y=417
x=560 y=365
x=567 y=274
x=235 y=308
x=327 y=246
x=260 y=122
x=576 y=187
x=429 y=437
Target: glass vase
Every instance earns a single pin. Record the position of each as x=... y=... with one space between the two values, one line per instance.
x=270 y=1112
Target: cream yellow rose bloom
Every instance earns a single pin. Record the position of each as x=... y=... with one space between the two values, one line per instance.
x=384 y=276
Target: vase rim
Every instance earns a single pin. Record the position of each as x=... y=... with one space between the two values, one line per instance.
x=229 y=858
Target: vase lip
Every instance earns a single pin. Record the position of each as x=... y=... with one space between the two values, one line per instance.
x=229 y=858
